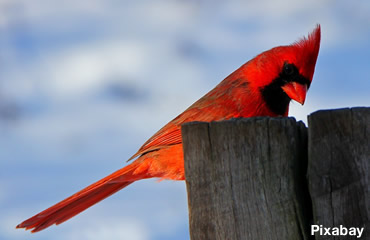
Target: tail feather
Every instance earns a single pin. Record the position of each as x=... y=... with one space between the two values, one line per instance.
x=81 y=200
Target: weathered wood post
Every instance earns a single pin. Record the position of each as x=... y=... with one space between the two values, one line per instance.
x=246 y=179
x=338 y=168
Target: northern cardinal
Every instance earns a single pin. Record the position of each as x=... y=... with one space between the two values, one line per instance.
x=264 y=86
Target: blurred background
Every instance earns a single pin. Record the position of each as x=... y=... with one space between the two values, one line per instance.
x=84 y=83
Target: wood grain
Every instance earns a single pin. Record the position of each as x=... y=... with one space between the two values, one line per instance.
x=338 y=170
x=246 y=179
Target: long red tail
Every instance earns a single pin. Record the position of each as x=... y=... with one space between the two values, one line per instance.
x=81 y=200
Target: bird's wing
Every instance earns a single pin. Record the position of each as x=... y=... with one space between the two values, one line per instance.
x=170 y=134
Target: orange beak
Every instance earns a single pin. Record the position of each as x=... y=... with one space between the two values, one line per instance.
x=296 y=91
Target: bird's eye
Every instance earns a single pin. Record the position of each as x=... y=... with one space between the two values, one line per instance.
x=289 y=69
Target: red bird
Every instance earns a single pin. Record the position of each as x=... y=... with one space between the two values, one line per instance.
x=264 y=86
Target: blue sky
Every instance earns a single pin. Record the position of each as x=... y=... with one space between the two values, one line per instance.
x=84 y=83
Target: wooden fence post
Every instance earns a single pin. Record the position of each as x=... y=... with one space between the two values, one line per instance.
x=338 y=168
x=246 y=179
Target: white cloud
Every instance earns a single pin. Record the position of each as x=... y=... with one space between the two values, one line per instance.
x=37 y=11
x=82 y=68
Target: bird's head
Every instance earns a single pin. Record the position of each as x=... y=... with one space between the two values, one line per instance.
x=284 y=73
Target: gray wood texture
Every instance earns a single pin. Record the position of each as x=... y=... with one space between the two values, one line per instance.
x=338 y=168
x=246 y=179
